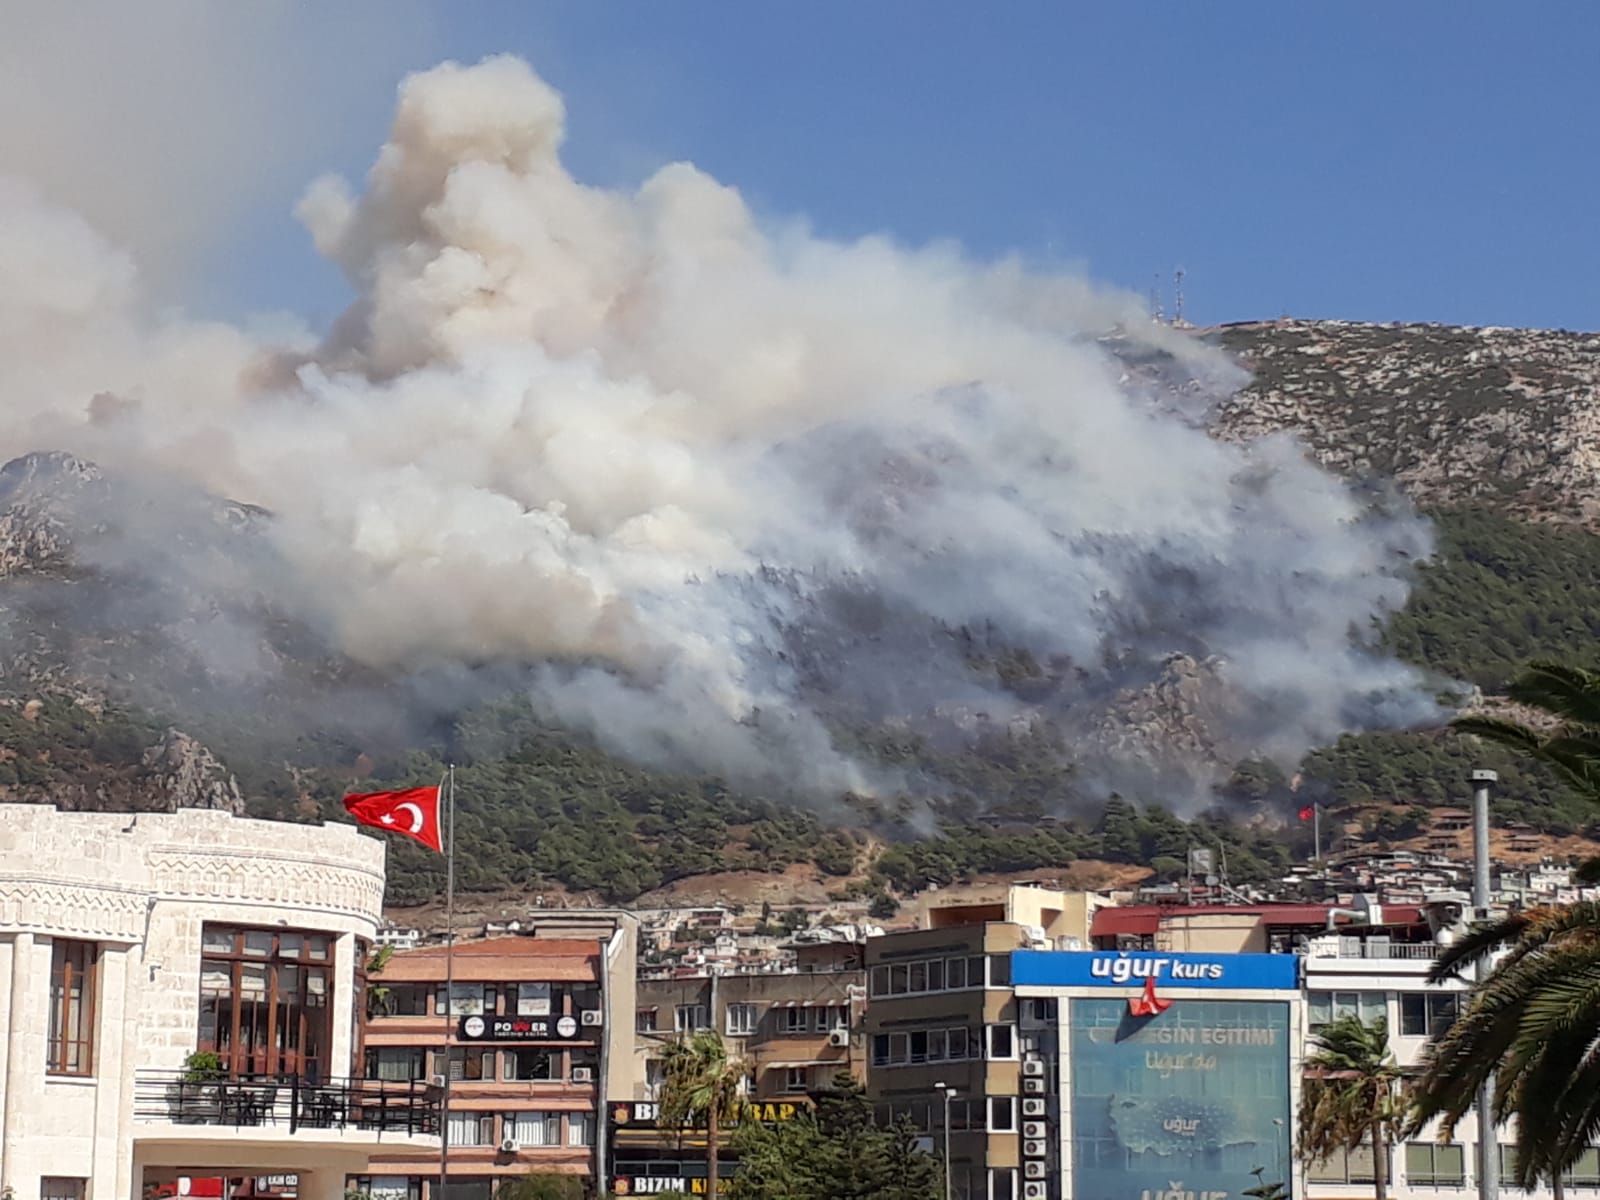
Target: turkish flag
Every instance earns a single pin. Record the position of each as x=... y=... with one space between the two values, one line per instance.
x=1307 y=813
x=1148 y=1004
x=413 y=812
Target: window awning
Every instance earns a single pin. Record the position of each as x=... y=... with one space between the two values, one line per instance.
x=1115 y=922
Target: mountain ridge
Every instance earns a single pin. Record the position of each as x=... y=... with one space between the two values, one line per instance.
x=1495 y=433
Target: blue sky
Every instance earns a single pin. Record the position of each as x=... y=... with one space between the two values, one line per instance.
x=1416 y=161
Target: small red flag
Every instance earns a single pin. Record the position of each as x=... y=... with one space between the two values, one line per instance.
x=413 y=812
x=1307 y=813
x=1148 y=1004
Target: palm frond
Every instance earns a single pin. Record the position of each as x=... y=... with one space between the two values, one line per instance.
x=1564 y=691
x=1498 y=729
x=1587 y=872
x=1479 y=943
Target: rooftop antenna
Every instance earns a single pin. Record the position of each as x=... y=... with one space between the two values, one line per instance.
x=1155 y=298
x=1177 y=296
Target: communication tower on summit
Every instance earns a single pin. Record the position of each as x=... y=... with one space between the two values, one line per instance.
x=1155 y=298
x=1177 y=296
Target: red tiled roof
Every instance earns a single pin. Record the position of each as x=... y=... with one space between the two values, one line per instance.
x=498 y=960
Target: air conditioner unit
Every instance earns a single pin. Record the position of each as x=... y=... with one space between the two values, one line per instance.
x=510 y=1146
x=437 y=1081
x=1033 y=1191
x=1034 y=1169
x=839 y=1037
x=1033 y=1150
x=1033 y=1068
x=1033 y=1087
x=590 y=1016
x=582 y=1074
x=1033 y=1129
x=1033 y=1106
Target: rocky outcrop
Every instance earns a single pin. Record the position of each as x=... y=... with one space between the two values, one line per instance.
x=1175 y=720
x=39 y=494
x=1482 y=417
x=181 y=773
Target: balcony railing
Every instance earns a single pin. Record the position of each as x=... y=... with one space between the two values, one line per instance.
x=1350 y=947
x=290 y=1101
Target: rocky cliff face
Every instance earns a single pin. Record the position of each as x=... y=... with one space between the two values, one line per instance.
x=85 y=624
x=1458 y=417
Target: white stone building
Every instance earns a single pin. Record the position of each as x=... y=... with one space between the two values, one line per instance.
x=127 y=943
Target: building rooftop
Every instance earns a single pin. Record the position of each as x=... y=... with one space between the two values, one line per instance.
x=498 y=959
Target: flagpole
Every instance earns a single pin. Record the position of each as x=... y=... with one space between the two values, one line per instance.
x=449 y=976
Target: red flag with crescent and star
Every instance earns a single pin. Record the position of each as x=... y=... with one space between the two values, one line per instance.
x=413 y=812
x=1148 y=1004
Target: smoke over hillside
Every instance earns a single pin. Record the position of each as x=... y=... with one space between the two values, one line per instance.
x=724 y=482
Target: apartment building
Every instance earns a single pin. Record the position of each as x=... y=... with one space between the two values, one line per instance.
x=129 y=944
x=943 y=1029
x=534 y=1032
x=1380 y=968
x=794 y=1028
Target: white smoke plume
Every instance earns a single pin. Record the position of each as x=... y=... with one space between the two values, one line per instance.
x=725 y=479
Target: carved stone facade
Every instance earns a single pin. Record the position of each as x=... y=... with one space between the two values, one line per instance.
x=142 y=889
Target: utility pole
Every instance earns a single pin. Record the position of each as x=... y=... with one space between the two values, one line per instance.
x=1488 y=1167
x=947 y=1091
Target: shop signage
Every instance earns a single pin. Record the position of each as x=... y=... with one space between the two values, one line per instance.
x=1131 y=968
x=655 y=1185
x=517 y=1029
x=1175 y=1105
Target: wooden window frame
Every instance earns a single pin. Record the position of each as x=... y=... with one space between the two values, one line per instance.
x=240 y=1062
x=64 y=953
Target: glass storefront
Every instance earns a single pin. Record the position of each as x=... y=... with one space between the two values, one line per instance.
x=1191 y=1100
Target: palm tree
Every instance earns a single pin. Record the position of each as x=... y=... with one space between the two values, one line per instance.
x=1352 y=1092
x=700 y=1083
x=1531 y=1026
x=1565 y=735
x=1531 y=1020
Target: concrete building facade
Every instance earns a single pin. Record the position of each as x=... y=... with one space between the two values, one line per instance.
x=943 y=1026
x=129 y=943
x=534 y=1034
x=794 y=1028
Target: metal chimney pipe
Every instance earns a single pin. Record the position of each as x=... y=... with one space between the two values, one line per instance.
x=1481 y=781
x=1488 y=1138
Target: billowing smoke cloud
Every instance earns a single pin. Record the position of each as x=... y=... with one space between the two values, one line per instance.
x=729 y=483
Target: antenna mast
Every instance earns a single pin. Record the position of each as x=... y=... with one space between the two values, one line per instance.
x=1155 y=298
x=1177 y=296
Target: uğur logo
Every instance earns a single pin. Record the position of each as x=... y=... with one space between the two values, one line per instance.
x=1147 y=1003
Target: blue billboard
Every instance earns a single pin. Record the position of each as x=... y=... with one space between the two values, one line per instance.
x=1187 y=1102
x=1130 y=968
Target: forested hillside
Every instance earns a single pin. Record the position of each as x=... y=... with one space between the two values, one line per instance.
x=542 y=807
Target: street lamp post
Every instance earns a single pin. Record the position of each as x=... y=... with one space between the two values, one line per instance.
x=947 y=1092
